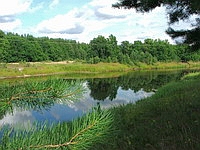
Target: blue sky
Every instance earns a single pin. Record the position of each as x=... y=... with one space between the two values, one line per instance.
x=81 y=20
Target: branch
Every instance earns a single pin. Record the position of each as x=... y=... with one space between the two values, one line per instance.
x=20 y=95
x=67 y=143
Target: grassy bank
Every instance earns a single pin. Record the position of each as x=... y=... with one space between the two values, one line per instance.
x=72 y=69
x=169 y=65
x=168 y=120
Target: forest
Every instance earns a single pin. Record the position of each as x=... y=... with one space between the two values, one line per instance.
x=27 y=48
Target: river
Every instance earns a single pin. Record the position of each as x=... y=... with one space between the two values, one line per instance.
x=106 y=92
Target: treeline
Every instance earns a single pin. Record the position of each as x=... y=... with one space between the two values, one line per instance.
x=26 y=48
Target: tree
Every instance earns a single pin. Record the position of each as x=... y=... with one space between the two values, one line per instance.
x=4 y=45
x=126 y=47
x=113 y=48
x=99 y=47
x=177 y=10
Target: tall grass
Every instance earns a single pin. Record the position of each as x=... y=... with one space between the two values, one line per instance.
x=169 y=65
x=36 y=69
x=42 y=68
x=24 y=70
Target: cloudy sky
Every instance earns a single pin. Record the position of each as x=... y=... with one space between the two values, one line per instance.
x=81 y=20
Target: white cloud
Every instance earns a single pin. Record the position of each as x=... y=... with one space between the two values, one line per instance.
x=10 y=25
x=81 y=23
x=102 y=3
x=99 y=18
x=10 y=10
x=17 y=117
x=86 y=22
x=10 y=7
x=148 y=25
x=63 y=24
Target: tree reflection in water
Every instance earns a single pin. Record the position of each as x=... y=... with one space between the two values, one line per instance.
x=107 y=88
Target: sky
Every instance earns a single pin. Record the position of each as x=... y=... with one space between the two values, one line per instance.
x=81 y=20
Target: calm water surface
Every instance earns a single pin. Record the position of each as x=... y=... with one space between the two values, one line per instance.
x=108 y=92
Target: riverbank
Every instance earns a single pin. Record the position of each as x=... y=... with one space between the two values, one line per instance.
x=73 y=69
x=170 y=119
x=20 y=70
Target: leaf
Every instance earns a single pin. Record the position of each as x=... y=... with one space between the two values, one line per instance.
x=81 y=133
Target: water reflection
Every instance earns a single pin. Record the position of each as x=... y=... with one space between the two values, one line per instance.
x=122 y=97
x=107 y=88
x=107 y=92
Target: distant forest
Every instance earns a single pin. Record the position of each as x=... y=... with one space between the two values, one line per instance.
x=26 y=48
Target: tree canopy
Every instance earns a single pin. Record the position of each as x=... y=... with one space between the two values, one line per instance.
x=26 y=48
x=176 y=10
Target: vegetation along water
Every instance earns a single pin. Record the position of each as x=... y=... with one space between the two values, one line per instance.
x=167 y=120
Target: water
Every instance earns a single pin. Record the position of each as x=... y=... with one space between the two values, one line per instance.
x=106 y=92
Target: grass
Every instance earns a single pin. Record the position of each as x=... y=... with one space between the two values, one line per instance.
x=169 y=65
x=195 y=75
x=39 y=69
x=12 y=70
x=168 y=120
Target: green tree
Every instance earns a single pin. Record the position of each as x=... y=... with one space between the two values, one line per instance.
x=33 y=50
x=176 y=10
x=84 y=48
x=125 y=47
x=4 y=45
x=113 y=48
x=99 y=47
x=16 y=51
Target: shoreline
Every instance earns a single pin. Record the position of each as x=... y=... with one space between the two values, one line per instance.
x=40 y=69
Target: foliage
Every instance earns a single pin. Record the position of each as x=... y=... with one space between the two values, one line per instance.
x=26 y=48
x=81 y=133
x=176 y=10
x=37 y=95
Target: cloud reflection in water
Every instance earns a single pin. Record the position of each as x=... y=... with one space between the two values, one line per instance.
x=70 y=110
